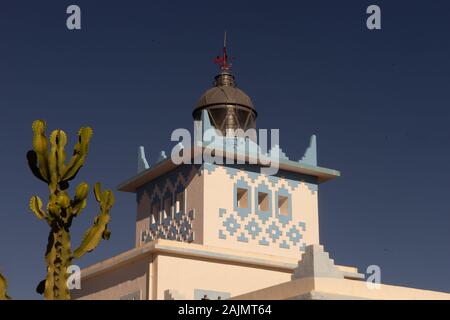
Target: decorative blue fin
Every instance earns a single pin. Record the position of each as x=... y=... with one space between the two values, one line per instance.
x=310 y=156
x=142 y=160
x=162 y=156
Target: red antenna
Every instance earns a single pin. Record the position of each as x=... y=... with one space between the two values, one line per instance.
x=223 y=61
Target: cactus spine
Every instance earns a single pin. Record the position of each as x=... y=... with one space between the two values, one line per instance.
x=3 y=288
x=47 y=163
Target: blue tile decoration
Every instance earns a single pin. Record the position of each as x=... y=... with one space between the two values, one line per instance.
x=273 y=180
x=222 y=235
x=245 y=225
x=294 y=235
x=232 y=172
x=262 y=228
x=302 y=225
x=175 y=225
x=154 y=227
x=253 y=229
x=293 y=184
x=253 y=176
x=178 y=215
x=208 y=167
x=172 y=234
x=231 y=225
x=264 y=242
x=312 y=187
x=284 y=245
x=242 y=238
x=273 y=231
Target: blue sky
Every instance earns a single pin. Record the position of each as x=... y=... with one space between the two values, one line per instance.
x=378 y=102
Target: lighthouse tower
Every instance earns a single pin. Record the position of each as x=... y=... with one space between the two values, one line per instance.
x=217 y=230
x=229 y=205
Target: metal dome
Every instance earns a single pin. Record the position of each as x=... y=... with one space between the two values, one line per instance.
x=224 y=94
x=228 y=106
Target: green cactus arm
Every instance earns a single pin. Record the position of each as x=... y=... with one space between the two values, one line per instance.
x=106 y=198
x=3 y=288
x=93 y=235
x=80 y=199
x=99 y=229
x=36 y=207
x=79 y=154
x=56 y=159
x=98 y=192
x=40 y=146
x=58 y=140
x=32 y=160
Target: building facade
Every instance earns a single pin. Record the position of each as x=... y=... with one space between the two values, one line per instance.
x=209 y=230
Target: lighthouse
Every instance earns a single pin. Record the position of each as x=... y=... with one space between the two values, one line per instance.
x=209 y=230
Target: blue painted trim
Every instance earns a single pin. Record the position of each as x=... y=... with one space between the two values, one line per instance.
x=242 y=238
x=209 y=167
x=242 y=212
x=264 y=242
x=302 y=225
x=273 y=180
x=292 y=183
x=263 y=215
x=222 y=235
x=284 y=219
x=232 y=172
x=284 y=245
x=252 y=175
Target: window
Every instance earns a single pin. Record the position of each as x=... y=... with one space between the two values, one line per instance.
x=242 y=198
x=179 y=203
x=167 y=208
x=283 y=205
x=263 y=201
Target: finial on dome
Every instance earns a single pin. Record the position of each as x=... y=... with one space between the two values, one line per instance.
x=222 y=61
x=227 y=106
x=225 y=78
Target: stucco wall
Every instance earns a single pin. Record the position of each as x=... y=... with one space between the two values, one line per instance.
x=116 y=283
x=184 y=275
x=340 y=289
x=227 y=225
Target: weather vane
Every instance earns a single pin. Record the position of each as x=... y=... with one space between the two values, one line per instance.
x=223 y=60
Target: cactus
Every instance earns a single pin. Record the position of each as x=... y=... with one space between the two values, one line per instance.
x=3 y=288
x=47 y=163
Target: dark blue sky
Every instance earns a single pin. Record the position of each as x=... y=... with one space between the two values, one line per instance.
x=378 y=102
